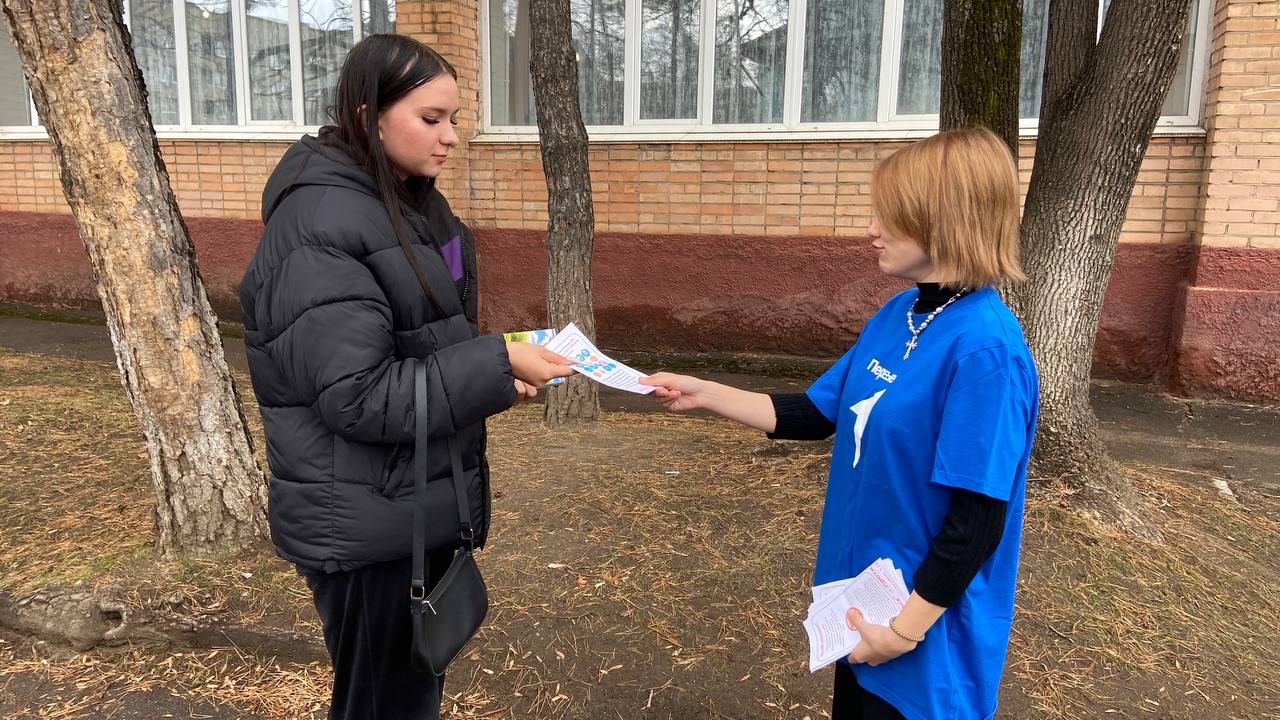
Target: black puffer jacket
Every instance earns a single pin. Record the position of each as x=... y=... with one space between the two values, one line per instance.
x=335 y=321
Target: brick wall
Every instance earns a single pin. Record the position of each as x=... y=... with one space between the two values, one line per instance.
x=818 y=188
x=753 y=188
x=210 y=179
x=1229 y=339
x=1204 y=208
x=1242 y=198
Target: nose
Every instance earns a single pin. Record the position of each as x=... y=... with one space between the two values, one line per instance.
x=873 y=230
x=449 y=138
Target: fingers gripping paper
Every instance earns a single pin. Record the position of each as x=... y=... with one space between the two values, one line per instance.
x=588 y=360
x=878 y=592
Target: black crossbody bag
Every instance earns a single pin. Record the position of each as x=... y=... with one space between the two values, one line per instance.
x=445 y=619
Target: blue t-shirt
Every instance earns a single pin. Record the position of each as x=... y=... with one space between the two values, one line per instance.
x=959 y=413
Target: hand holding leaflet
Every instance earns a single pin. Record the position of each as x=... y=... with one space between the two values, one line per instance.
x=534 y=337
x=589 y=361
x=878 y=592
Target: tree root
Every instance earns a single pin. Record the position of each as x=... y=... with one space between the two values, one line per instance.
x=79 y=616
x=87 y=618
x=1101 y=492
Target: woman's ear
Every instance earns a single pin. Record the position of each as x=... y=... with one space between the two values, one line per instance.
x=362 y=113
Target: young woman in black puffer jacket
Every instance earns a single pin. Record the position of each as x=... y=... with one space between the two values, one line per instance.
x=363 y=273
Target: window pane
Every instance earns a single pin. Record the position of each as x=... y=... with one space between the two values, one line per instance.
x=14 y=104
x=151 y=28
x=1035 y=33
x=510 y=100
x=751 y=60
x=841 y=60
x=598 y=38
x=669 y=59
x=270 y=80
x=379 y=16
x=326 y=38
x=1178 y=101
x=210 y=62
x=920 y=69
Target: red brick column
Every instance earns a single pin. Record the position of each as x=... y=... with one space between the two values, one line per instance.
x=1230 y=340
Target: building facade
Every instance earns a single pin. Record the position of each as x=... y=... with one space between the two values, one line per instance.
x=731 y=152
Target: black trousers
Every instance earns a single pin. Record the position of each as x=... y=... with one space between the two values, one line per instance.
x=365 y=614
x=850 y=701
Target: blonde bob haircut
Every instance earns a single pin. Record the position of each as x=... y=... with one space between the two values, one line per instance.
x=956 y=194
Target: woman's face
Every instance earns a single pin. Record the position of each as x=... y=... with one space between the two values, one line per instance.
x=418 y=132
x=899 y=257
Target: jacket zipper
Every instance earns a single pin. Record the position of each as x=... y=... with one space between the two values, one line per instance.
x=388 y=468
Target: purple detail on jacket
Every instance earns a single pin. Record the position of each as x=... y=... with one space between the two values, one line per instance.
x=452 y=253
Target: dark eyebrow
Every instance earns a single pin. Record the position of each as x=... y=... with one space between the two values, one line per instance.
x=440 y=111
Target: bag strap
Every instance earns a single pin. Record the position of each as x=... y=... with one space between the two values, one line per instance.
x=418 y=584
x=465 y=531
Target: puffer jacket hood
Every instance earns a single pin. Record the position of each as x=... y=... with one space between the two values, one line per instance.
x=310 y=161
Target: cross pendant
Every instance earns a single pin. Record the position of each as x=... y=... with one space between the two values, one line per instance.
x=911 y=345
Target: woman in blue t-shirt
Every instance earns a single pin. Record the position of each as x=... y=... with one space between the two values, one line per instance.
x=933 y=411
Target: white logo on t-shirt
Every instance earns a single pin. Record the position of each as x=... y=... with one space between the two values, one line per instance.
x=862 y=410
x=881 y=371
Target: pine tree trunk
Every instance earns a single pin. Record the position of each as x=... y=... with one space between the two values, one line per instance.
x=1100 y=105
x=981 y=51
x=210 y=493
x=570 y=232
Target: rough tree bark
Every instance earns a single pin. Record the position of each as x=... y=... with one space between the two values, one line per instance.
x=210 y=493
x=1102 y=98
x=563 y=139
x=981 y=51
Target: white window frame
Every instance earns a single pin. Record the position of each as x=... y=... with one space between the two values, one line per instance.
x=889 y=124
x=246 y=128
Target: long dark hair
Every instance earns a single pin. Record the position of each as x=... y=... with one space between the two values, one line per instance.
x=378 y=71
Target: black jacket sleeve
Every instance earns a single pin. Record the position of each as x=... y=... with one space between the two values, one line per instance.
x=338 y=348
x=799 y=419
x=970 y=532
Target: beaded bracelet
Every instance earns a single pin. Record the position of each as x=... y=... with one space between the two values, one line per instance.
x=903 y=635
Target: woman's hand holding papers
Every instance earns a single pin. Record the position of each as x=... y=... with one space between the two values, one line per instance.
x=679 y=393
x=879 y=644
x=535 y=365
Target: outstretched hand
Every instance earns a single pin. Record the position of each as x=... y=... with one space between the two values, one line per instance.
x=678 y=393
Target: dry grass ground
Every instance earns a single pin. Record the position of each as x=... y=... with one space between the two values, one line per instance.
x=647 y=567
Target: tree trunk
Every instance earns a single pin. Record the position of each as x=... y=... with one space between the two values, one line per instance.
x=563 y=139
x=1100 y=105
x=210 y=493
x=981 y=51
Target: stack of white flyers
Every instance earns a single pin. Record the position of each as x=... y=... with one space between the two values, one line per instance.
x=588 y=360
x=878 y=593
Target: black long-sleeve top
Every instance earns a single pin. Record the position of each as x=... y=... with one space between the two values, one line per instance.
x=974 y=523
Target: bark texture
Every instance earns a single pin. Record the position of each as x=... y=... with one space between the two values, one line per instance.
x=981 y=50
x=1100 y=105
x=570 y=232
x=210 y=492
